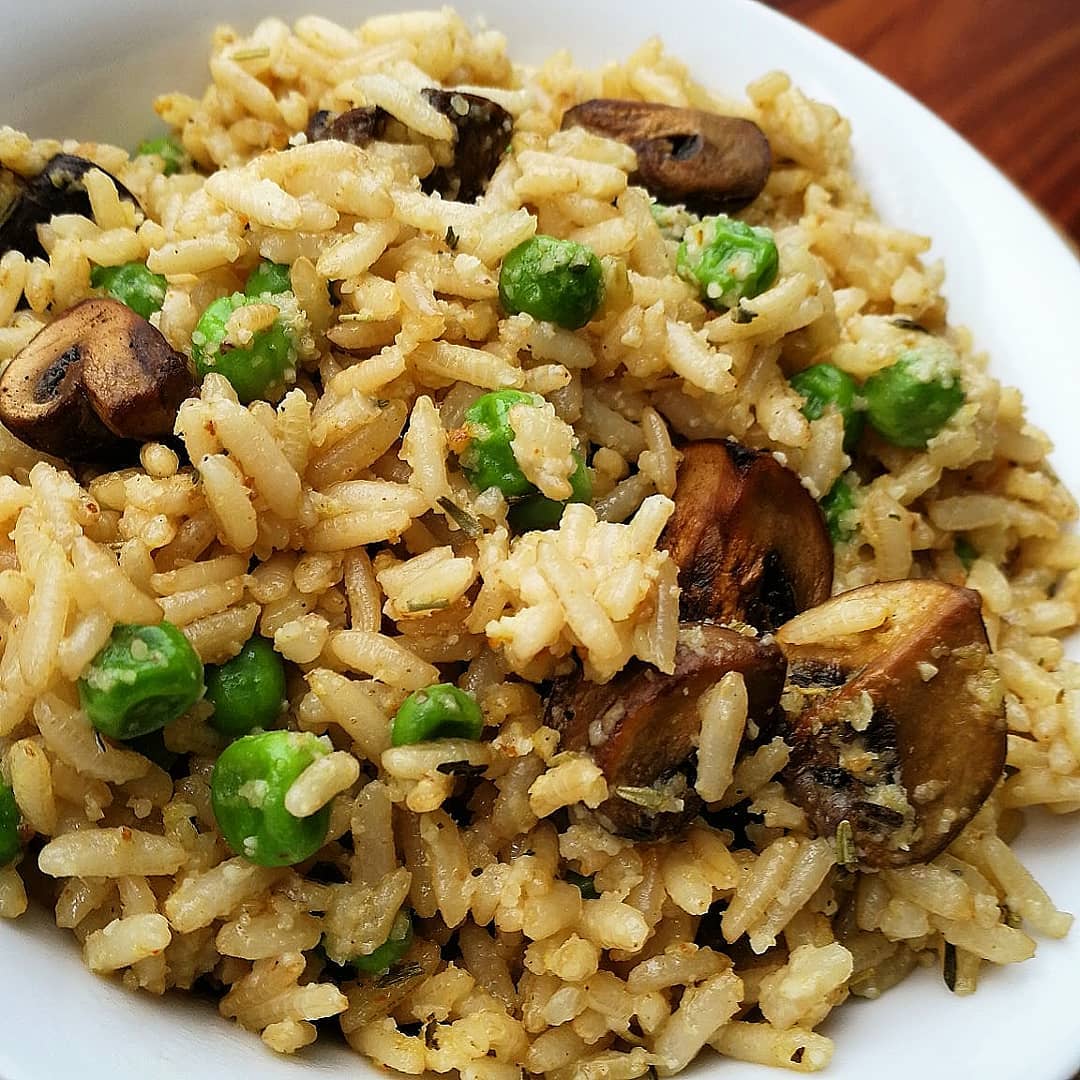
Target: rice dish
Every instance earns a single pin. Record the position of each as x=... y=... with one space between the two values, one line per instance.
x=674 y=808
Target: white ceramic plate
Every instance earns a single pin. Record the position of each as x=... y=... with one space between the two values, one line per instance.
x=90 y=68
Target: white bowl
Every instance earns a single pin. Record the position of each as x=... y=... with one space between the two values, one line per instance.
x=90 y=68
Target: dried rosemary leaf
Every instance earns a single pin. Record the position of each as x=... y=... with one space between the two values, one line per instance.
x=948 y=966
x=845 y=844
x=462 y=518
x=398 y=974
x=586 y=885
x=651 y=799
x=434 y=604
x=902 y=322
x=256 y=52
x=461 y=768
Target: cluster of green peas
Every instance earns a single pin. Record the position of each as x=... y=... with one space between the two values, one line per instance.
x=147 y=676
x=561 y=281
x=907 y=404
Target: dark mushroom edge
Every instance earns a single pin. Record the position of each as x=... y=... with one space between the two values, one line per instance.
x=709 y=163
x=482 y=131
x=897 y=729
x=60 y=188
x=93 y=383
x=750 y=542
x=641 y=728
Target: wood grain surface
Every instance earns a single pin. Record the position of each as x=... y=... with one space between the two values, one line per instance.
x=1004 y=73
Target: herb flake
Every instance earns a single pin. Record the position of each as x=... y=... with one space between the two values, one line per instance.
x=462 y=518
x=651 y=799
x=431 y=604
x=461 y=768
x=845 y=844
x=586 y=885
x=903 y=322
x=256 y=52
x=401 y=973
x=948 y=966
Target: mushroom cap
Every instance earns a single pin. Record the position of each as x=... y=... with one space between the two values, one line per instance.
x=642 y=727
x=903 y=731
x=710 y=163
x=358 y=126
x=483 y=131
x=95 y=377
x=60 y=188
x=750 y=541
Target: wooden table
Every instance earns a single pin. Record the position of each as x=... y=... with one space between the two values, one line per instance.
x=1004 y=73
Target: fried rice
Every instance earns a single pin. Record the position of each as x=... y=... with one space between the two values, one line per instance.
x=338 y=524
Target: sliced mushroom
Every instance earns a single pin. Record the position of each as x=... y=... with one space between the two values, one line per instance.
x=357 y=126
x=749 y=540
x=710 y=163
x=93 y=378
x=59 y=188
x=641 y=728
x=483 y=133
x=901 y=733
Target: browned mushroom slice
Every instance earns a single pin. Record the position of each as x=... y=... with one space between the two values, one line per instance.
x=96 y=376
x=641 y=728
x=483 y=133
x=59 y=188
x=902 y=729
x=357 y=126
x=749 y=540
x=710 y=163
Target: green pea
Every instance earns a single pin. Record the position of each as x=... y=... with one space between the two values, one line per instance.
x=169 y=150
x=248 y=788
x=488 y=460
x=909 y=402
x=441 y=711
x=247 y=691
x=262 y=369
x=269 y=279
x=555 y=280
x=143 y=679
x=727 y=260
x=391 y=950
x=586 y=885
x=10 y=840
x=837 y=506
x=539 y=512
x=824 y=385
x=131 y=284
x=966 y=551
